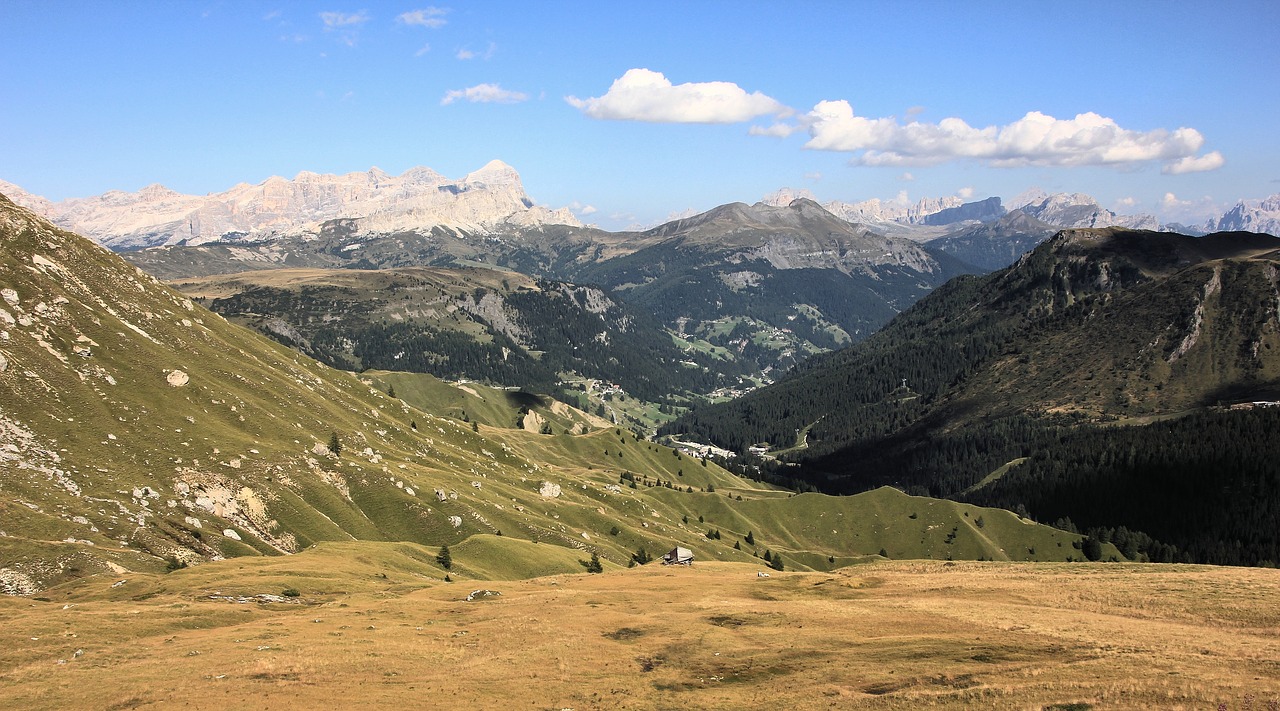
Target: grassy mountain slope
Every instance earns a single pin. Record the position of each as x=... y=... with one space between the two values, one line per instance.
x=1092 y=329
x=139 y=431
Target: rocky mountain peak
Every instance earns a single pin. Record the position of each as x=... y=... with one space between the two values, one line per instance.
x=494 y=174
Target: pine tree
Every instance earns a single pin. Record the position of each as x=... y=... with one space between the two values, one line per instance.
x=776 y=564
x=335 y=446
x=594 y=565
x=444 y=558
x=391 y=391
x=750 y=539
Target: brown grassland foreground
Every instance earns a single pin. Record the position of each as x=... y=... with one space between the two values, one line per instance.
x=888 y=635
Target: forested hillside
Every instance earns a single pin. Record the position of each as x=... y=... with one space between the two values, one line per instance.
x=1078 y=359
x=475 y=324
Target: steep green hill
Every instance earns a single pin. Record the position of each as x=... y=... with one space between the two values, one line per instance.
x=139 y=431
x=1094 y=329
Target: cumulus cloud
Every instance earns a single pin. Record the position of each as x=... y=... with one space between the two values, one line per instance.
x=1171 y=202
x=1036 y=139
x=484 y=94
x=815 y=176
x=1194 y=164
x=430 y=17
x=339 y=20
x=581 y=209
x=964 y=193
x=644 y=95
x=1127 y=202
x=906 y=177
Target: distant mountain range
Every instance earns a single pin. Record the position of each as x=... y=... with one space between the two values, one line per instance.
x=373 y=202
x=492 y=200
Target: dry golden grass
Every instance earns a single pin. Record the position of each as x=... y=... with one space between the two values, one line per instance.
x=894 y=635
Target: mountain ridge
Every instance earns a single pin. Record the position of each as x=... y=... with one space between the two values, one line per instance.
x=419 y=198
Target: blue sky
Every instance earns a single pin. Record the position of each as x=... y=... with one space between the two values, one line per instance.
x=631 y=112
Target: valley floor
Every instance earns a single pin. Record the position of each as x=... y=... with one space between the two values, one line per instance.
x=890 y=635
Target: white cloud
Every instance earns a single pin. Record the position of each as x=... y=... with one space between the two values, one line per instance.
x=906 y=177
x=582 y=209
x=777 y=130
x=1036 y=139
x=644 y=95
x=1171 y=202
x=425 y=48
x=1194 y=164
x=465 y=54
x=338 y=20
x=964 y=193
x=1127 y=202
x=815 y=176
x=430 y=17
x=1193 y=211
x=484 y=94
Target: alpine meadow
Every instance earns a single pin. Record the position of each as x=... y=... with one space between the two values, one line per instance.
x=851 y=356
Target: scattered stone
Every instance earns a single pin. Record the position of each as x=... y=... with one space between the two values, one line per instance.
x=231 y=534
x=14 y=583
x=177 y=378
x=549 y=490
x=481 y=594
x=455 y=521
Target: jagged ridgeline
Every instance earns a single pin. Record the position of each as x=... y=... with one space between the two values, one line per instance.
x=139 y=430
x=1109 y=376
